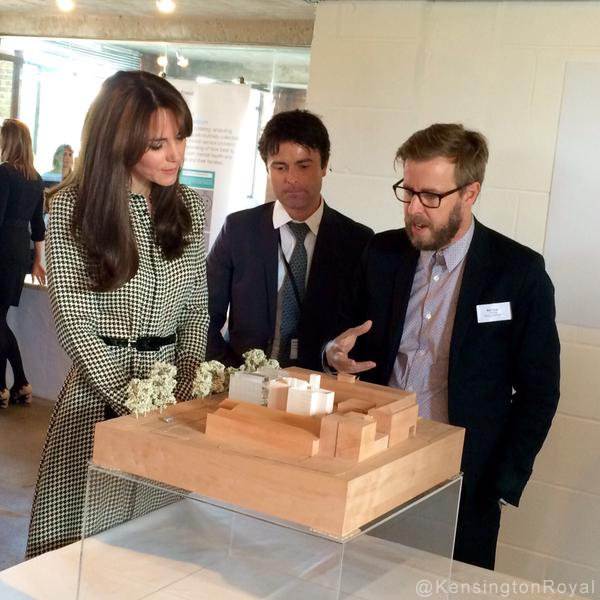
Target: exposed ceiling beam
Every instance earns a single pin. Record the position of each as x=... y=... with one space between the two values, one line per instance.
x=292 y=32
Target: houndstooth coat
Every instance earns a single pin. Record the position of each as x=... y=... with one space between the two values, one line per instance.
x=162 y=298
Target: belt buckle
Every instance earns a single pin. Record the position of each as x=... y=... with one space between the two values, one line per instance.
x=131 y=343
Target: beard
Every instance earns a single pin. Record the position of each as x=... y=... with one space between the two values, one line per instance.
x=438 y=237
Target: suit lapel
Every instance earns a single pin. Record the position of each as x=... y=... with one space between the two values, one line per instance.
x=323 y=255
x=267 y=254
x=473 y=281
x=405 y=266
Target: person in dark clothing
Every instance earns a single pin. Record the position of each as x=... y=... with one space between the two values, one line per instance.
x=276 y=272
x=21 y=201
x=464 y=317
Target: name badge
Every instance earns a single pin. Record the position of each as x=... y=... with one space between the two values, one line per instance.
x=294 y=349
x=498 y=311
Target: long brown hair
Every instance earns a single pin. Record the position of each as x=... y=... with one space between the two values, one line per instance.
x=15 y=141
x=114 y=139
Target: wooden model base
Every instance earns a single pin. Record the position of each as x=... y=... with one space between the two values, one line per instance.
x=332 y=491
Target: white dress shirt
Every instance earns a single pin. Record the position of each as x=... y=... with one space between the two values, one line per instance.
x=280 y=220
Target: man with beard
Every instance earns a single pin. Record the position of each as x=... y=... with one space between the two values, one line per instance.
x=464 y=317
x=279 y=269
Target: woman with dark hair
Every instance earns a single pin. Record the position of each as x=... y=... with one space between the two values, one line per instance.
x=21 y=202
x=126 y=278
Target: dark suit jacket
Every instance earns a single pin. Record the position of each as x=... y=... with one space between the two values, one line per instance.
x=503 y=377
x=242 y=277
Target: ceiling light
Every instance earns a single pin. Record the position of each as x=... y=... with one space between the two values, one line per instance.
x=182 y=61
x=162 y=61
x=165 y=6
x=65 y=5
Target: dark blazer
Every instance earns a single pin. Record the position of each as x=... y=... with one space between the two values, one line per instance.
x=242 y=277
x=21 y=220
x=503 y=377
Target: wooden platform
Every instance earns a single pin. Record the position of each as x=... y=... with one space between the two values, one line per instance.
x=330 y=494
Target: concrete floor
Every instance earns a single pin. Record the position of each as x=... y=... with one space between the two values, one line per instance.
x=22 y=433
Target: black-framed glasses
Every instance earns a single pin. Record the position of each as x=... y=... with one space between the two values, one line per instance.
x=427 y=199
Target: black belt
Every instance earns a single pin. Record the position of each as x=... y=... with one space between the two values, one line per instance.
x=143 y=344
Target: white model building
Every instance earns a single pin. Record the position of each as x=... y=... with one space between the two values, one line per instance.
x=300 y=397
x=246 y=387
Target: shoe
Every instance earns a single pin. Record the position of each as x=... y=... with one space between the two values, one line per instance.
x=4 y=398
x=22 y=395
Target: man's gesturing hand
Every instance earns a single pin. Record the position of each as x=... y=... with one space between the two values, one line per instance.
x=338 y=349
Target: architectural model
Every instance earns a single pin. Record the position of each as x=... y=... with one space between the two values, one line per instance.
x=329 y=453
x=351 y=428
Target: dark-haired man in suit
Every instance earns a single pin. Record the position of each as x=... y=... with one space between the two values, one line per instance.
x=280 y=268
x=464 y=317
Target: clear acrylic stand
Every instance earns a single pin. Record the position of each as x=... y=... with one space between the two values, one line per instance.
x=142 y=539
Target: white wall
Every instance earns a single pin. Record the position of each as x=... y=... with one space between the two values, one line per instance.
x=379 y=71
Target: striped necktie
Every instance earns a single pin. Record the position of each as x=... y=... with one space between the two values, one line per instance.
x=292 y=292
